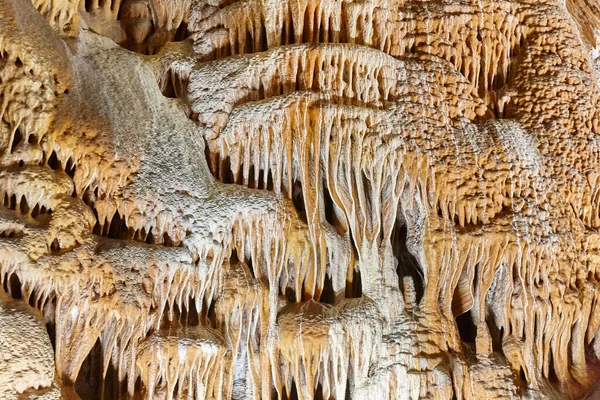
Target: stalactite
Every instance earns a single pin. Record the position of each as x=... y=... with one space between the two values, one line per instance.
x=187 y=361
x=311 y=199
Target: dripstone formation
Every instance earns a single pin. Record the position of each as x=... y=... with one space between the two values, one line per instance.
x=300 y=199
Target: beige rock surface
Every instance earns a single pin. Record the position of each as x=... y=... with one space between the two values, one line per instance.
x=300 y=199
x=26 y=353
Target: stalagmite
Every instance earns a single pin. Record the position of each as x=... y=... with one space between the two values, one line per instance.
x=312 y=199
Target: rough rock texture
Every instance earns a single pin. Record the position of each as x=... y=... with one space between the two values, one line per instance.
x=281 y=199
x=26 y=360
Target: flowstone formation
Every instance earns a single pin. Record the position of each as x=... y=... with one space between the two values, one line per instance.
x=300 y=199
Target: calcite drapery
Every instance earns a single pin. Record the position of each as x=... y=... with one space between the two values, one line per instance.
x=300 y=199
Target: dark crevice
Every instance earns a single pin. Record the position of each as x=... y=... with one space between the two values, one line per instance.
x=209 y=316
x=270 y=185
x=290 y=295
x=168 y=241
x=368 y=191
x=191 y=316
x=32 y=300
x=120 y=11
x=552 y=377
x=456 y=219
x=96 y=230
x=306 y=28
x=497 y=336
x=261 y=90
x=117 y=228
x=353 y=247
x=150 y=237
x=89 y=380
x=226 y=175
x=284 y=33
x=440 y=213
x=298 y=200
x=6 y=201
x=327 y=294
x=354 y=286
x=292 y=395
x=263 y=38
x=70 y=168
x=55 y=246
x=329 y=207
x=17 y=139
x=23 y=207
x=319 y=392
x=466 y=327
x=112 y=387
x=234 y=259
x=12 y=286
x=251 y=180
x=168 y=89
x=181 y=33
x=408 y=266
x=209 y=158
x=261 y=181
x=51 y=329
x=53 y=161
x=248 y=262
x=249 y=42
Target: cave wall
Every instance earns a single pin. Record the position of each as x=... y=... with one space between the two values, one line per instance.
x=299 y=199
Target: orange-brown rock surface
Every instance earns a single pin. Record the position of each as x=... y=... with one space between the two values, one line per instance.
x=300 y=199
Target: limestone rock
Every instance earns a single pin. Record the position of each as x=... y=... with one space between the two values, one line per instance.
x=312 y=199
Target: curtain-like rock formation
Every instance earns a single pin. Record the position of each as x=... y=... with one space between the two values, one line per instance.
x=309 y=199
